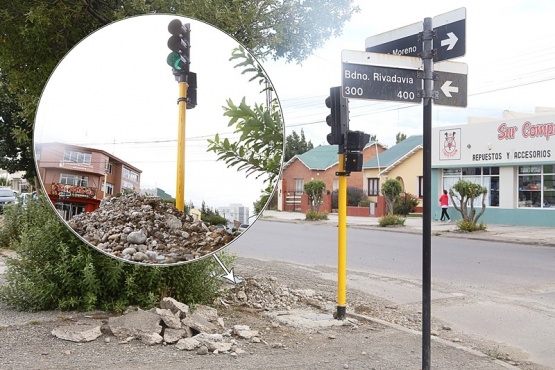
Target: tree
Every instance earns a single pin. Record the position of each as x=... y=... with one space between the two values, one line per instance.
x=391 y=189
x=400 y=137
x=465 y=192
x=314 y=189
x=37 y=34
x=295 y=144
x=260 y=146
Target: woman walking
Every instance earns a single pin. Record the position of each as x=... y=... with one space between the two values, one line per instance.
x=444 y=203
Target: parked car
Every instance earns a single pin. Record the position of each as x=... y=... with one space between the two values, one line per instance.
x=242 y=228
x=7 y=196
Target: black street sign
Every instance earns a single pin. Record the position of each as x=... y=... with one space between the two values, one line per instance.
x=381 y=83
x=449 y=42
x=450 y=30
x=451 y=84
x=401 y=41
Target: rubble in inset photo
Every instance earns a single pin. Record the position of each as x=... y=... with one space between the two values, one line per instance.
x=146 y=230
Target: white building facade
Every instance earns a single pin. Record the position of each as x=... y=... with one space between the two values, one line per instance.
x=513 y=158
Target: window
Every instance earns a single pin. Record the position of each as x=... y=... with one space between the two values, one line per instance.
x=77 y=157
x=485 y=176
x=373 y=186
x=108 y=188
x=536 y=186
x=74 y=180
x=299 y=185
x=131 y=175
x=109 y=168
x=335 y=185
x=420 y=186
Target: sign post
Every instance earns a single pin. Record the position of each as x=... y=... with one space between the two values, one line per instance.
x=405 y=72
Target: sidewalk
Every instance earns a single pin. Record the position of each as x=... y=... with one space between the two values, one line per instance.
x=501 y=233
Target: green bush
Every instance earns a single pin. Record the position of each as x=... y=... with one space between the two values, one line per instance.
x=54 y=269
x=391 y=220
x=470 y=225
x=314 y=216
x=364 y=203
x=354 y=197
x=405 y=204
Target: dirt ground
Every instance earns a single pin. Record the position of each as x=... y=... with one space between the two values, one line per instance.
x=26 y=342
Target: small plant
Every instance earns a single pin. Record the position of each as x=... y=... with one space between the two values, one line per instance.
x=405 y=204
x=391 y=190
x=470 y=225
x=314 y=216
x=391 y=220
x=364 y=203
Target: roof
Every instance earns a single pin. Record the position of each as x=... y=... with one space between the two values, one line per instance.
x=395 y=155
x=321 y=157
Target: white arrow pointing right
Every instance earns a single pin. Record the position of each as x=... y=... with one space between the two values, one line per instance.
x=450 y=41
x=448 y=89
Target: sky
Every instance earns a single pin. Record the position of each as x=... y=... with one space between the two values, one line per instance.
x=510 y=53
x=114 y=90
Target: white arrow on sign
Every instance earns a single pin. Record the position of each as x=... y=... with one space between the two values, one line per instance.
x=448 y=89
x=451 y=41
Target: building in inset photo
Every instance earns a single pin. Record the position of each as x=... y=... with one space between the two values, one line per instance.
x=77 y=178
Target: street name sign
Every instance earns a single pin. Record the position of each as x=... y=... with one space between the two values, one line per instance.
x=377 y=76
x=451 y=84
x=450 y=29
x=449 y=43
x=400 y=41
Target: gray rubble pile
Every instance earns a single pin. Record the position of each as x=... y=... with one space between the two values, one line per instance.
x=146 y=230
x=172 y=323
x=266 y=293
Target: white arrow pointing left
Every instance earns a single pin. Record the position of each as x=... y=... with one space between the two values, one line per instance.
x=448 y=89
x=451 y=40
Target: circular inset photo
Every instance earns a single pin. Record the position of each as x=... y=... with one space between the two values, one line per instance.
x=158 y=139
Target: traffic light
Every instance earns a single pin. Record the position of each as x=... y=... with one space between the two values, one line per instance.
x=180 y=45
x=356 y=141
x=353 y=162
x=191 y=90
x=338 y=120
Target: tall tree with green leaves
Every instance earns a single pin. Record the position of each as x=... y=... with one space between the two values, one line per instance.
x=295 y=144
x=35 y=35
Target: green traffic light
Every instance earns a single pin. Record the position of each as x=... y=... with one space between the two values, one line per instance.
x=174 y=60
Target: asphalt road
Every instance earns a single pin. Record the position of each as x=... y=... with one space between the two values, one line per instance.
x=500 y=292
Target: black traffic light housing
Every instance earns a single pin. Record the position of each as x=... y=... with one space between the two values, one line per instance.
x=180 y=45
x=338 y=119
x=356 y=141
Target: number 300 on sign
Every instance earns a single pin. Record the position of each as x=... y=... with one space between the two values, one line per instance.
x=353 y=91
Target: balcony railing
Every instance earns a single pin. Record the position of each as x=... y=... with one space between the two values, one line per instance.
x=66 y=191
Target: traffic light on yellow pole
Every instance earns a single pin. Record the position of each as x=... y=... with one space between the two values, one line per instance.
x=180 y=59
x=338 y=120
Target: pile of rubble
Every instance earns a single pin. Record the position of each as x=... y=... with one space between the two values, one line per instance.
x=201 y=330
x=147 y=230
x=173 y=323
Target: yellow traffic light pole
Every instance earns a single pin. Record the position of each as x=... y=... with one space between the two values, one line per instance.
x=180 y=179
x=342 y=242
